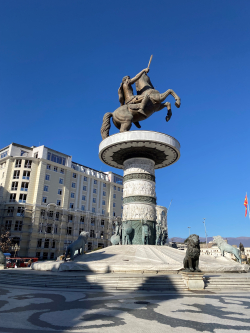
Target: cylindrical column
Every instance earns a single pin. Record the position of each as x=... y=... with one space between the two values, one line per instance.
x=139 y=200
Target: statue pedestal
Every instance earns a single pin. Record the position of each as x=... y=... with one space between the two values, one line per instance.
x=193 y=280
x=139 y=153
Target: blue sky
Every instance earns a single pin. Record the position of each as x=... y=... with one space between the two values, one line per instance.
x=61 y=64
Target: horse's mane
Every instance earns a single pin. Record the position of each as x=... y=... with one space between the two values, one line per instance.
x=143 y=82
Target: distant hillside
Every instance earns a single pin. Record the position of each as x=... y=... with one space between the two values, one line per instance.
x=231 y=240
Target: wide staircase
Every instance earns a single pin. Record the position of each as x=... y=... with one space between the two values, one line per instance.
x=102 y=282
x=233 y=282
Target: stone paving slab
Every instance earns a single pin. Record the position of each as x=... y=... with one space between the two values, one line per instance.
x=28 y=310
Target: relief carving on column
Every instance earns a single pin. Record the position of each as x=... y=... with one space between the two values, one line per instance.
x=139 y=187
x=139 y=165
x=139 y=212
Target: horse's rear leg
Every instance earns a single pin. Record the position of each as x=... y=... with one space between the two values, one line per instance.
x=125 y=126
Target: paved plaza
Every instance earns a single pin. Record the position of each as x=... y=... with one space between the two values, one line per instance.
x=24 y=310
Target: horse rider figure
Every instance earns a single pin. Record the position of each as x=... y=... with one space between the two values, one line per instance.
x=127 y=97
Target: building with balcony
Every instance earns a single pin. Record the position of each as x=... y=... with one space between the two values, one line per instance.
x=46 y=200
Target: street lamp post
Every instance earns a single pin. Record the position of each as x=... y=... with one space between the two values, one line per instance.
x=189 y=230
x=205 y=232
x=15 y=248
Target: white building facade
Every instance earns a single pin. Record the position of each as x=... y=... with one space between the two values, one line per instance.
x=46 y=200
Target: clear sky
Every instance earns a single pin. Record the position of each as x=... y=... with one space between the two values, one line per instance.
x=61 y=64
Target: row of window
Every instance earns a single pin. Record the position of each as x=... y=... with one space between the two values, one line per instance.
x=27 y=164
x=55 y=158
x=55 y=168
x=45 y=255
x=20 y=211
x=22 y=198
x=18 y=225
x=26 y=174
x=24 y=186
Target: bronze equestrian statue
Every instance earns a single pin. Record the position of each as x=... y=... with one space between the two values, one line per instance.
x=135 y=108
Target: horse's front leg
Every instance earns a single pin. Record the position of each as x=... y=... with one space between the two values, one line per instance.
x=164 y=95
x=169 y=115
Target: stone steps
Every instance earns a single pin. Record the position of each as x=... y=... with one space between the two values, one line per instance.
x=106 y=282
x=223 y=282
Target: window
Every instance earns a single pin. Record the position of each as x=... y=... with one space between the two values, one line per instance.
x=48 y=167
x=27 y=164
x=94 y=190
x=113 y=204
x=55 y=169
x=84 y=188
x=45 y=255
x=55 y=229
x=89 y=246
x=18 y=164
x=102 y=234
x=20 y=211
x=92 y=233
x=8 y=225
x=12 y=197
x=44 y=199
x=73 y=185
x=104 y=193
x=14 y=186
x=83 y=207
x=118 y=180
x=16 y=174
x=58 y=202
x=60 y=180
x=4 y=154
x=81 y=219
x=103 y=202
x=62 y=171
x=74 y=175
x=46 y=188
x=10 y=211
x=114 y=187
x=18 y=225
x=70 y=218
x=57 y=216
x=52 y=256
x=38 y=254
x=46 y=243
x=66 y=244
x=80 y=230
x=114 y=196
x=121 y=207
x=36 y=155
x=59 y=191
x=56 y=158
x=50 y=214
x=113 y=213
x=94 y=200
x=102 y=222
x=23 y=153
x=92 y=221
x=39 y=242
x=42 y=213
x=53 y=245
x=26 y=175
x=103 y=212
x=40 y=229
x=48 y=228
x=71 y=205
x=104 y=184
x=85 y=178
x=93 y=210
x=72 y=195
x=95 y=182
x=118 y=188
x=47 y=177
x=83 y=197
x=69 y=230
x=24 y=187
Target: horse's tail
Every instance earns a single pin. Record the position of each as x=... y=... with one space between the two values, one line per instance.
x=106 y=125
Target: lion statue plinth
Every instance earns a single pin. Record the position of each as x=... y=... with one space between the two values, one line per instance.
x=191 y=260
x=77 y=245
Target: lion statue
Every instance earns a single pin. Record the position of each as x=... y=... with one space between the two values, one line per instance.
x=77 y=245
x=191 y=260
x=224 y=247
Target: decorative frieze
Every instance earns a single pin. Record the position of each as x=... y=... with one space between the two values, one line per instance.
x=139 y=198
x=139 y=165
x=143 y=176
x=139 y=211
x=139 y=187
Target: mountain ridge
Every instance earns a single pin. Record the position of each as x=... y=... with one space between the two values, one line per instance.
x=231 y=240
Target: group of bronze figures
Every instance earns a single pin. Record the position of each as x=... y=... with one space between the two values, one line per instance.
x=135 y=108
x=124 y=231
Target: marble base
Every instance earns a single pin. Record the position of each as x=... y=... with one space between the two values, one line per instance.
x=139 y=259
x=194 y=280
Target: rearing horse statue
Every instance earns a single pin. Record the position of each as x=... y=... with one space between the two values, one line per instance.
x=137 y=108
